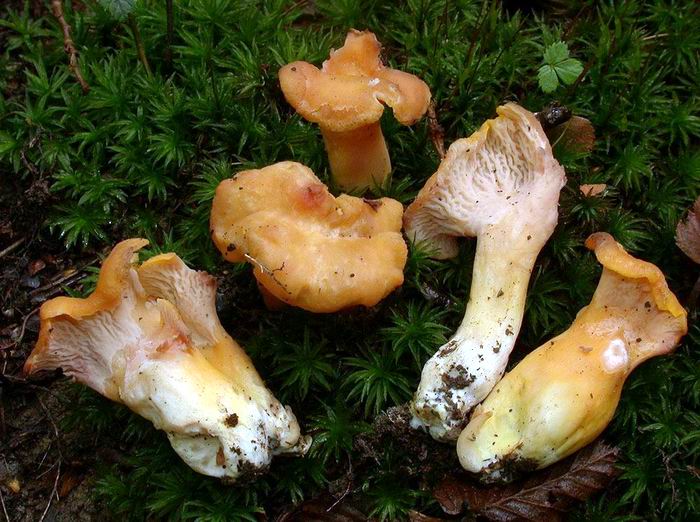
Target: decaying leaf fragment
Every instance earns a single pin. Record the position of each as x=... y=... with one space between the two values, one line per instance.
x=545 y=495
x=324 y=508
x=575 y=135
x=594 y=189
x=308 y=248
x=149 y=337
x=688 y=233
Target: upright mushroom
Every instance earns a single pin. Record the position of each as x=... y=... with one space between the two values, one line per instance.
x=149 y=337
x=345 y=98
x=562 y=395
x=309 y=249
x=501 y=185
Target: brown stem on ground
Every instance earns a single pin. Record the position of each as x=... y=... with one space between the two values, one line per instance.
x=68 y=45
x=168 y=58
x=139 y=43
x=10 y=248
x=437 y=133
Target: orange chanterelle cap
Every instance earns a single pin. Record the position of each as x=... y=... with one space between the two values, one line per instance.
x=308 y=248
x=346 y=97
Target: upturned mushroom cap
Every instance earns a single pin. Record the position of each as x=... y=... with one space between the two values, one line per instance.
x=308 y=248
x=503 y=173
x=149 y=337
x=562 y=395
x=351 y=87
x=56 y=347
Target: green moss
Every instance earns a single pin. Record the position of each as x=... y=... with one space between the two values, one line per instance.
x=140 y=155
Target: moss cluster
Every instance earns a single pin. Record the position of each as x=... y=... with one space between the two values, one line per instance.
x=142 y=152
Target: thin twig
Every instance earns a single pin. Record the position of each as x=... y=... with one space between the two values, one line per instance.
x=55 y=282
x=53 y=424
x=68 y=45
x=654 y=36
x=345 y=493
x=64 y=278
x=54 y=491
x=139 y=43
x=43 y=459
x=10 y=248
x=49 y=469
x=669 y=473
x=437 y=133
x=22 y=331
x=4 y=509
x=23 y=156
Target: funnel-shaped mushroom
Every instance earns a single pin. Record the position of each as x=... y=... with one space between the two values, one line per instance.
x=345 y=97
x=501 y=185
x=149 y=337
x=562 y=395
x=308 y=248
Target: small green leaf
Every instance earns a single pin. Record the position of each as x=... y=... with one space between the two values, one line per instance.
x=568 y=70
x=547 y=78
x=558 y=67
x=555 y=53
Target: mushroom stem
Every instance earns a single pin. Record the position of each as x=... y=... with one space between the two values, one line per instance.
x=562 y=395
x=500 y=185
x=497 y=297
x=471 y=363
x=359 y=158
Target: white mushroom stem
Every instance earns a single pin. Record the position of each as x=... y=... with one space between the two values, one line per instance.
x=501 y=185
x=463 y=371
x=359 y=157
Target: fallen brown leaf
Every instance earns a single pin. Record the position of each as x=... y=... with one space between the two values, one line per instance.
x=575 y=135
x=36 y=266
x=324 y=508
x=546 y=495
x=688 y=233
x=415 y=516
x=69 y=481
x=592 y=189
x=13 y=485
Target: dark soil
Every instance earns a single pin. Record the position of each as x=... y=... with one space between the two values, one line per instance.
x=45 y=473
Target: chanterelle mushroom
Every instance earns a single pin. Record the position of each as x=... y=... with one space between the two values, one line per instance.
x=308 y=248
x=562 y=395
x=345 y=98
x=501 y=185
x=149 y=337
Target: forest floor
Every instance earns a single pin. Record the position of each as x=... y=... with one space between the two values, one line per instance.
x=142 y=152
